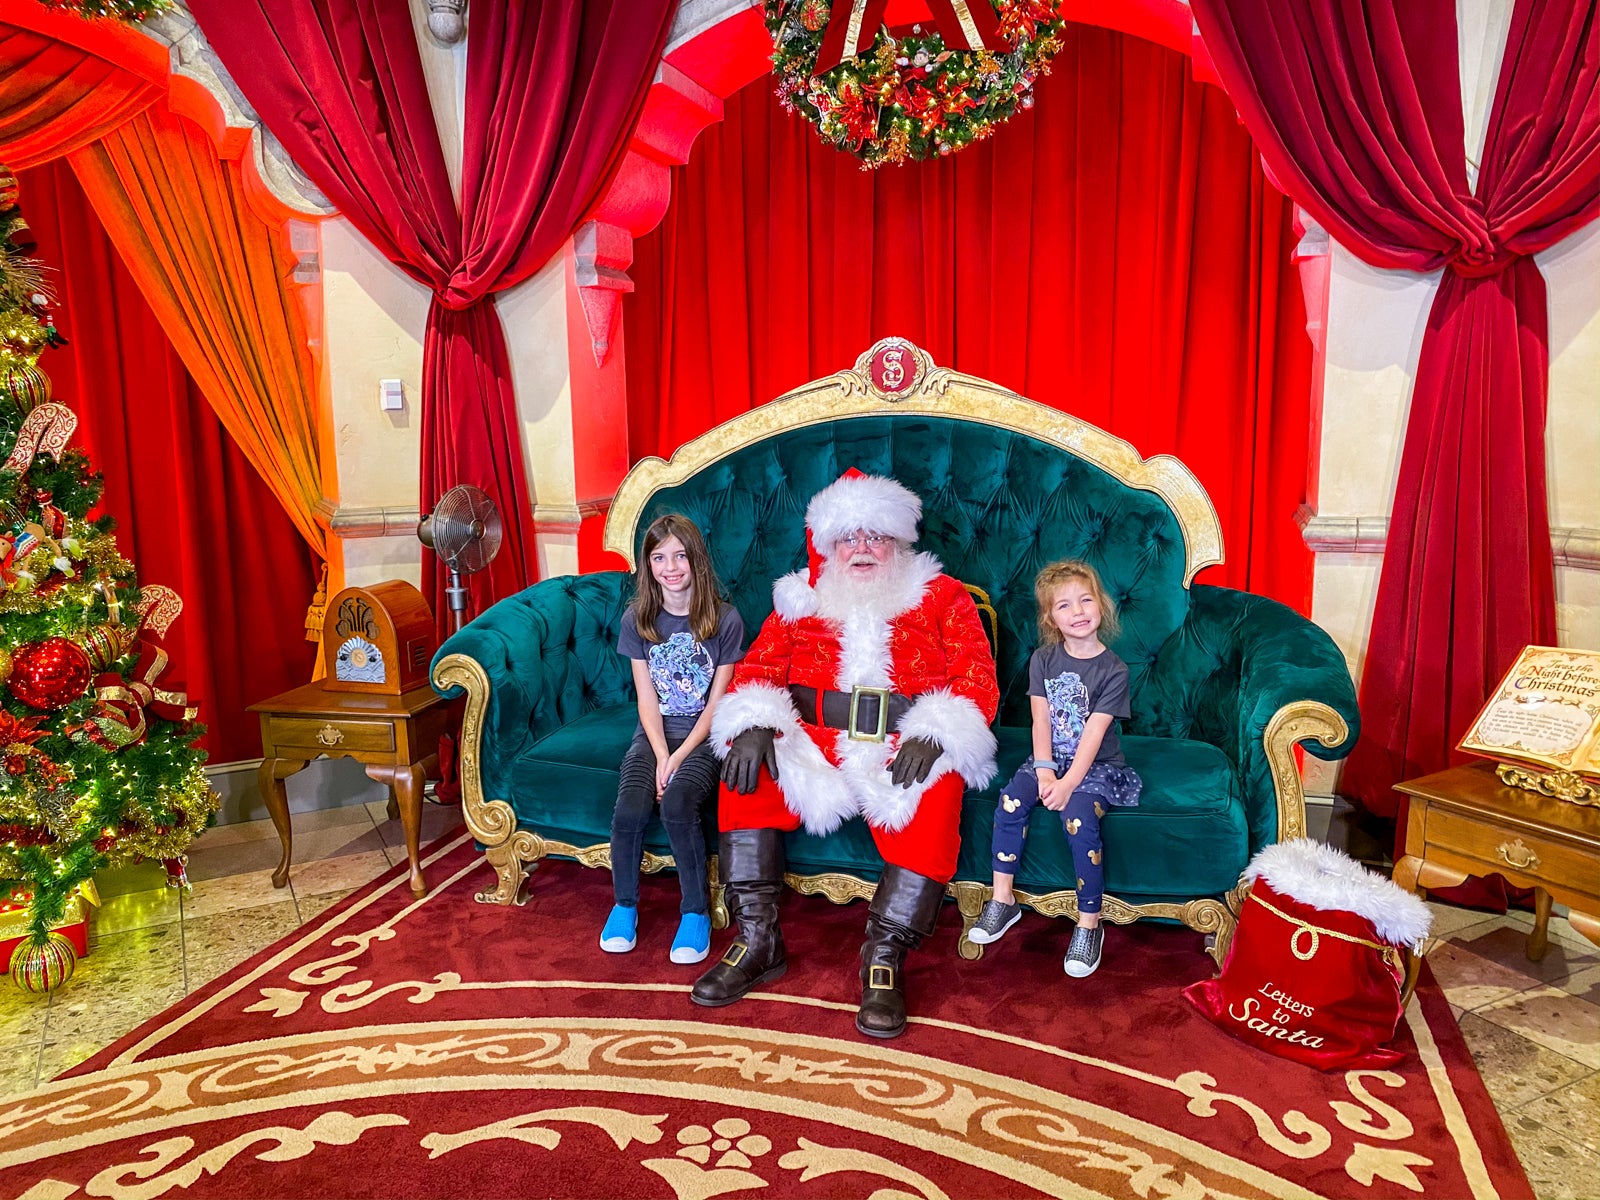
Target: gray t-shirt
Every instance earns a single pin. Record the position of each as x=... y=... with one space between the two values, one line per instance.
x=681 y=668
x=1075 y=688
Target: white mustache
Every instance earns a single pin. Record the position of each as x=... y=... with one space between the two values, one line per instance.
x=862 y=560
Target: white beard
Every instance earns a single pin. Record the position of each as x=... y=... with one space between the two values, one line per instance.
x=876 y=597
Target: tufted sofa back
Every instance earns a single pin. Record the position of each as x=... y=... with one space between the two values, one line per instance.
x=998 y=505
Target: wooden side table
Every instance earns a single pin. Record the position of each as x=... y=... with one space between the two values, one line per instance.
x=396 y=737
x=1464 y=821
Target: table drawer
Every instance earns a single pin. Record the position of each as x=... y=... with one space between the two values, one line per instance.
x=322 y=735
x=1504 y=849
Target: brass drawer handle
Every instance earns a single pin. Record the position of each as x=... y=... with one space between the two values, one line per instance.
x=1519 y=856
x=329 y=736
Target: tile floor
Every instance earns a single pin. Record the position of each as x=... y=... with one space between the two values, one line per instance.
x=1534 y=1028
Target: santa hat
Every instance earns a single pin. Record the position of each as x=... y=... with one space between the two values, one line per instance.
x=856 y=500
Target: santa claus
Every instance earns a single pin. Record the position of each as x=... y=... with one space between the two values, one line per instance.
x=868 y=693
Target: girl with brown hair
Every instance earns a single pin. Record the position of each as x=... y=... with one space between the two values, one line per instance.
x=683 y=640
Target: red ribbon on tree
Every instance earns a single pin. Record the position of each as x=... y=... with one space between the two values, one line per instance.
x=121 y=704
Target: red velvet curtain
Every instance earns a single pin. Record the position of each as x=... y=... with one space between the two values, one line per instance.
x=56 y=98
x=553 y=91
x=191 y=512
x=1356 y=105
x=1116 y=253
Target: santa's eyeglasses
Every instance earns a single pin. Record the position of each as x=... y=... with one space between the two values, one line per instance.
x=857 y=540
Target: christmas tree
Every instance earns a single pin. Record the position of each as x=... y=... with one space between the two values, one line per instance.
x=98 y=765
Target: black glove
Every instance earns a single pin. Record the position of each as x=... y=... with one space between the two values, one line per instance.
x=742 y=767
x=916 y=758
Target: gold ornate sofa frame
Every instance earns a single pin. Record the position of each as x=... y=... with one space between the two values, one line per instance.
x=937 y=392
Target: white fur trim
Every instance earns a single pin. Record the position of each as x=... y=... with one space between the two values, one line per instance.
x=1316 y=874
x=811 y=788
x=958 y=725
x=871 y=502
x=752 y=706
x=793 y=597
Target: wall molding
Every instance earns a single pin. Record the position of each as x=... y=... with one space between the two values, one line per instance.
x=567 y=518
x=1577 y=547
x=346 y=522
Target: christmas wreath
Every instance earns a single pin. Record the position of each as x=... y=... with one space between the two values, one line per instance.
x=121 y=10
x=943 y=84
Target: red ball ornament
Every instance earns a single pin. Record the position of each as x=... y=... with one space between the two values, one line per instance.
x=49 y=674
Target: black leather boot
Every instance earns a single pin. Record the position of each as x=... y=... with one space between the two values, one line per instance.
x=752 y=868
x=902 y=913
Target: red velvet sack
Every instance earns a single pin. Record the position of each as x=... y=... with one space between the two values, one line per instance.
x=1316 y=968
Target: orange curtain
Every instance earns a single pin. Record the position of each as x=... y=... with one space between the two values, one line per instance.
x=219 y=284
x=55 y=98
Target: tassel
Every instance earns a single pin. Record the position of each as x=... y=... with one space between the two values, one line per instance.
x=315 y=615
x=318 y=609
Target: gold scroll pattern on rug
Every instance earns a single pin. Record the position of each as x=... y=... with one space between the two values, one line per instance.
x=159 y=1168
x=1056 y=1143
x=1295 y=1135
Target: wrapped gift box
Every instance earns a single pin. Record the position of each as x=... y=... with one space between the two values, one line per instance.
x=74 y=924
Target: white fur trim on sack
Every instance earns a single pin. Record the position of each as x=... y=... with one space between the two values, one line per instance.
x=1316 y=874
x=812 y=789
x=870 y=502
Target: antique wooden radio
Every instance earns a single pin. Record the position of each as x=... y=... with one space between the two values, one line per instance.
x=377 y=639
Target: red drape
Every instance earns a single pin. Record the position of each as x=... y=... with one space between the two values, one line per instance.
x=553 y=91
x=1356 y=105
x=56 y=98
x=1116 y=253
x=191 y=512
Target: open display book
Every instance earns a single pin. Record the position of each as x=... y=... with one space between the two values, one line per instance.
x=1545 y=713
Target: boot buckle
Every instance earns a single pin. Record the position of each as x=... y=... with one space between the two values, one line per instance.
x=735 y=954
x=878 y=734
x=880 y=978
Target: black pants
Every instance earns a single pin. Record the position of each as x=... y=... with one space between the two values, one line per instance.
x=687 y=792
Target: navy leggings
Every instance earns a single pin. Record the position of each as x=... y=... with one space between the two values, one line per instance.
x=1080 y=819
x=694 y=783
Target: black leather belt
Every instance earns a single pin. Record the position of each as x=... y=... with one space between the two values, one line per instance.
x=867 y=714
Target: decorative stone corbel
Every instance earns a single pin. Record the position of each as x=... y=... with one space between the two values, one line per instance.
x=447 y=20
x=675 y=112
x=1313 y=256
x=602 y=254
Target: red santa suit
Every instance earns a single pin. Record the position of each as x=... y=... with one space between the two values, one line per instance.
x=917 y=634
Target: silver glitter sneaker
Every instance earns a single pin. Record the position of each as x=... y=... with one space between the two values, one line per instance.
x=1083 y=952
x=993 y=921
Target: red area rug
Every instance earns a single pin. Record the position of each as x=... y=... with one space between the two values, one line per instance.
x=447 y=1048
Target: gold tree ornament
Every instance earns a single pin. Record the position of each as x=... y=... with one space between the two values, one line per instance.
x=40 y=965
x=25 y=385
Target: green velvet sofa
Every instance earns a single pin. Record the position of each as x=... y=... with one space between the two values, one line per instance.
x=1225 y=684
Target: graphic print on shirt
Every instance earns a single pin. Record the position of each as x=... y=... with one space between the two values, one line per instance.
x=1069 y=709
x=681 y=669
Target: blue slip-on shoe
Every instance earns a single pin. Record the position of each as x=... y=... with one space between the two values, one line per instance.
x=693 y=940
x=621 y=931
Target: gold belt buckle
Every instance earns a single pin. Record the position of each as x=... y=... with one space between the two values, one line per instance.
x=883 y=714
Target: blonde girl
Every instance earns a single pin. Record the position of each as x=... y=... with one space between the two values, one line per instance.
x=1078 y=690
